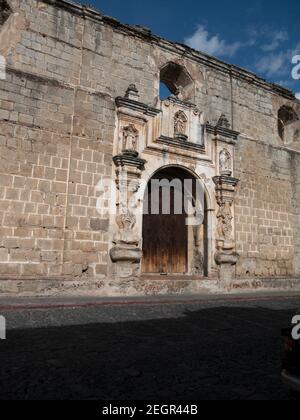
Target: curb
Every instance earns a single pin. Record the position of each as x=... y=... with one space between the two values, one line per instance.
x=48 y=306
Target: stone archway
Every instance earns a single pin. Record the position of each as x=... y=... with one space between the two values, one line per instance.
x=175 y=224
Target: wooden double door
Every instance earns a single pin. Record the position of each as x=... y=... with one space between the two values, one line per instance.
x=165 y=236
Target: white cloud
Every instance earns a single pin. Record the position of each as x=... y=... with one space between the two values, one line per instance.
x=203 y=41
x=298 y=96
x=277 y=64
x=276 y=38
x=272 y=65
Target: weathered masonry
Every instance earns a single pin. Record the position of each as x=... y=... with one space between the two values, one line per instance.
x=80 y=106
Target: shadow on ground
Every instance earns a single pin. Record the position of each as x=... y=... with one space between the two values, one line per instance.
x=216 y=353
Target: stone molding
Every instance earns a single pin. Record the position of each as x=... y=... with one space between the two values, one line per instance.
x=181 y=143
x=223 y=134
x=137 y=106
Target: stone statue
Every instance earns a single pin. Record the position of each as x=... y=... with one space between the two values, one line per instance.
x=126 y=235
x=225 y=217
x=130 y=138
x=227 y=220
x=132 y=93
x=225 y=162
x=223 y=122
x=180 y=124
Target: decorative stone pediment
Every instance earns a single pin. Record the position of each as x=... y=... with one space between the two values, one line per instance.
x=131 y=102
x=134 y=122
x=181 y=121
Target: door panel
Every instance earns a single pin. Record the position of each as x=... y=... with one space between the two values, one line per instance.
x=165 y=238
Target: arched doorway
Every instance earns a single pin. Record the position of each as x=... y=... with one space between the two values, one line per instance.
x=175 y=224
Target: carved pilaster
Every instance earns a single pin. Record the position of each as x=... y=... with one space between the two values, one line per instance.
x=226 y=256
x=134 y=123
x=126 y=253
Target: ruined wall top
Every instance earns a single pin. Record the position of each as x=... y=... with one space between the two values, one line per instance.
x=87 y=12
x=61 y=42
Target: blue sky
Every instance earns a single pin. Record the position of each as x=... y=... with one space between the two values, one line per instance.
x=261 y=36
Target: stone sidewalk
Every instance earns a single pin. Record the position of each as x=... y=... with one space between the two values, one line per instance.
x=12 y=303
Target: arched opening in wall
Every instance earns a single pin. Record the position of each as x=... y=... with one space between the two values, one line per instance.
x=287 y=117
x=5 y=12
x=175 y=239
x=164 y=91
x=175 y=79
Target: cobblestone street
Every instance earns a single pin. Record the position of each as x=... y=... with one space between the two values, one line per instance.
x=214 y=349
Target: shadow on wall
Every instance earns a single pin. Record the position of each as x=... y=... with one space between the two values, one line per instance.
x=288 y=125
x=5 y=11
x=214 y=353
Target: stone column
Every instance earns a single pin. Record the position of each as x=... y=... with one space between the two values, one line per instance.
x=226 y=257
x=126 y=252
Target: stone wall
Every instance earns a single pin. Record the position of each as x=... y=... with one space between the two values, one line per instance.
x=66 y=64
x=56 y=144
x=265 y=225
x=267 y=205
